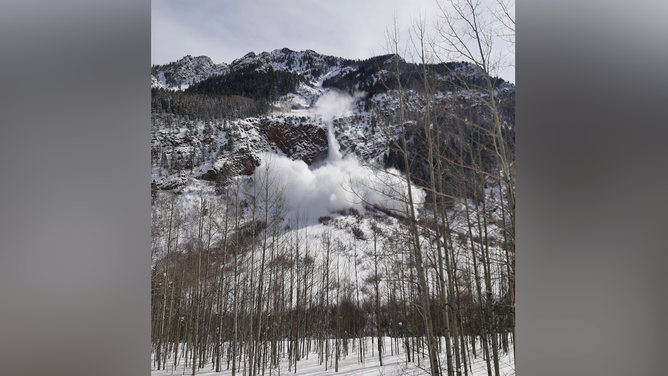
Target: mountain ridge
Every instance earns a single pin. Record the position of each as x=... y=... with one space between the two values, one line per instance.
x=315 y=67
x=206 y=126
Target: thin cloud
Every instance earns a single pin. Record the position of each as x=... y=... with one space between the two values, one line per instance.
x=227 y=30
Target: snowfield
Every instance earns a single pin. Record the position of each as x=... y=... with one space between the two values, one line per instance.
x=394 y=363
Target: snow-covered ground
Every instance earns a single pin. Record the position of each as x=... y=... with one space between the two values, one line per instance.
x=393 y=364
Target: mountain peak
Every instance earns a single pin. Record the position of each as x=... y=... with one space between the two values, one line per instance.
x=186 y=71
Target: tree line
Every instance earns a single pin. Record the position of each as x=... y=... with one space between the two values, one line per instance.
x=205 y=106
x=262 y=86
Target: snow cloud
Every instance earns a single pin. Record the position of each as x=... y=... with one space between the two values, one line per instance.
x=334 y=103
x=338 y=183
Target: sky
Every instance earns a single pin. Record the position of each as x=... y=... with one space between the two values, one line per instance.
x=225 y=30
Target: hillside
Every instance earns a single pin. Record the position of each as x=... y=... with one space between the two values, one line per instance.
x=303 y=201
x=230 y=113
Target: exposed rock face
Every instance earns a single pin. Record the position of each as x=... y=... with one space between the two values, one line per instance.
x=241 y=163
x=305 y=142
x=187 y=71
x=209 y=175
x=245 y=163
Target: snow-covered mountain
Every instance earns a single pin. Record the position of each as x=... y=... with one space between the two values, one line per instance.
x=190 y=145
x=185 y=72
x=286 y=164
x=335 y=124
x=181 y=74
x=307 y=63
x=311 y=65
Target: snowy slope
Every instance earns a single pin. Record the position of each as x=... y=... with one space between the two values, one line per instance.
x=323 y=146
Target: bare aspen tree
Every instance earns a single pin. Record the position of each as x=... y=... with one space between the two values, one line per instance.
x=159 y=350
x=393 y=43
x=375 y=230
x=484 y=35
x=324 y=298
x=198 y=287
x=431 y=130
x=238 y=213
x=468 y=30
x=225 y=230
x=270 y=191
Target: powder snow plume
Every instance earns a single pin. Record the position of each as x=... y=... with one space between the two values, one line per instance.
x=338 y=183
